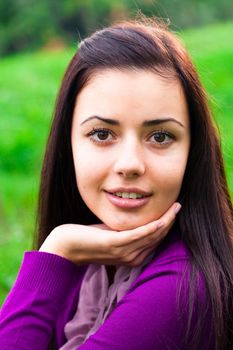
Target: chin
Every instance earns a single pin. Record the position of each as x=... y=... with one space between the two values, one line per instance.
x=124 y=226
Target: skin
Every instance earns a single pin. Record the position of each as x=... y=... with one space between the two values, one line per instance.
x=130 y=154
x=152 y=158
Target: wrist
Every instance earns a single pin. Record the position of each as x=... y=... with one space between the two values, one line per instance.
x=62 y=242
x=53 y=244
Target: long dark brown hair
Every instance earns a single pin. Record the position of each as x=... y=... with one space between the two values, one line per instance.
x=206 y=218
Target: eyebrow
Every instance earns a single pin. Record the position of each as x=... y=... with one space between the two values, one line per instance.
x=150 y=122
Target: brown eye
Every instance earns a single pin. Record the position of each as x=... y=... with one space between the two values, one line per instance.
x=160 y=137
x=102 y=134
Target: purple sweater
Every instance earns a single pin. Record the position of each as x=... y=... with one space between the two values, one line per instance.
x=152 y=315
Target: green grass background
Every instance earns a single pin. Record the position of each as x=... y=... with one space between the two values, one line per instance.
x=28 y=86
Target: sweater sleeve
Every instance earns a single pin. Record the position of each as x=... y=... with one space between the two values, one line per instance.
x=153 y=315
x=31 y=310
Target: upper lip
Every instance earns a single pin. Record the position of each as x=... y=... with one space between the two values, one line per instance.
x=129 y=190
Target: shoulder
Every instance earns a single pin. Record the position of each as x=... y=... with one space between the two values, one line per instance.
x=166 y=278
x=170 y=261
x=171 y=270
x=40 y=302
x=172 y=294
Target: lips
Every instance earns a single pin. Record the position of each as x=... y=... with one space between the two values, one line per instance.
x=128 y=198
x=129 y=190
x=130 y=195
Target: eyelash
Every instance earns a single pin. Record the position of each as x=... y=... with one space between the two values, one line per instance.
x=95 y=131
x=167 y=134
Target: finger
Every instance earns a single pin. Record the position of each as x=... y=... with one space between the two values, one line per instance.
x=139 y=258
x=170 y=214
x=163 y=221
x=145 y=231
x=141 y=255
x=124 y=238
x=100 y=226
x=153 y=241
x=157 y=236
x=126 y=255
x=127 y=243
x=168 y=220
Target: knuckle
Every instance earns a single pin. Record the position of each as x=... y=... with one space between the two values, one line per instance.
x=166 y=222
x=135 y=237
x=115 y=252
x=128 y=258
x=107 y=242
x=138 y=260
x=134 y=260
x=135 y=263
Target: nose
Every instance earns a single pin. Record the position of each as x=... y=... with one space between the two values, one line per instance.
x=130 y=161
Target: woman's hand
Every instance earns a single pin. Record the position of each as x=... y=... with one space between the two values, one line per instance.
x=98 y=244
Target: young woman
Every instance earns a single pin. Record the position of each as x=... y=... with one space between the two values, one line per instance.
x=116 y=267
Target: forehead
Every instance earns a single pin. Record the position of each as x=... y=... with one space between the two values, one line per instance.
x=131 y=95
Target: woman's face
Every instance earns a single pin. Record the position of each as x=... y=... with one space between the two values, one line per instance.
x=130 y=142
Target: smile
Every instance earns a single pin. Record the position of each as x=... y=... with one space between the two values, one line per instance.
x=131 y=195
x=127 y=200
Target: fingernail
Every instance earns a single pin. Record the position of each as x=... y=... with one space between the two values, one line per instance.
x=177 y=208
x=160 y=224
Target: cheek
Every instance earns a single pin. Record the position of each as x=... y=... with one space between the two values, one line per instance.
x=89 y=169
x=168 y=176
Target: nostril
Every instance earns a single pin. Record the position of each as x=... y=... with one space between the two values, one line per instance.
x=130 y=167
x=129 y=174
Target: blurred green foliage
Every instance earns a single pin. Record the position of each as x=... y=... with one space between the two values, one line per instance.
x=29 y=83
x=29 y=24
